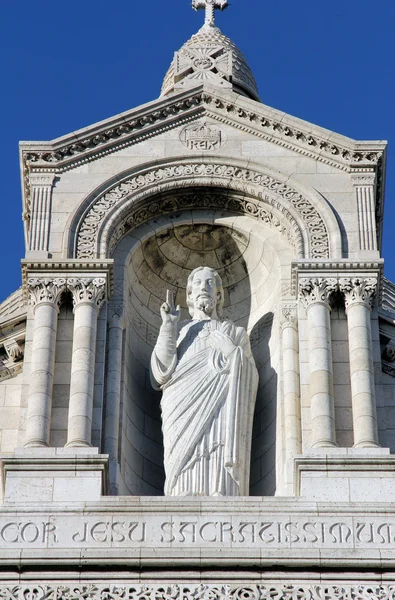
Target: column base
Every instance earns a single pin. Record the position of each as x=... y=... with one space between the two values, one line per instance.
x=42 y=475
x=78 y=444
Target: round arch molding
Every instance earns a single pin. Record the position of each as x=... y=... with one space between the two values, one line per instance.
x=300 y=213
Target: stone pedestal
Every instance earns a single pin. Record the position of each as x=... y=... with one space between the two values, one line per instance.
x=346 y=475
x=43 y=475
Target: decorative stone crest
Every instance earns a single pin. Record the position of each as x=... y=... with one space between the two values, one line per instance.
x=357 y=290
x=202 y=137
x=88 y=290
x=193 y=64
x=48 y=291
x=316 y=290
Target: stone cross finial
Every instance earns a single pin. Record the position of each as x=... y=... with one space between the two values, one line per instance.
x=209 y=6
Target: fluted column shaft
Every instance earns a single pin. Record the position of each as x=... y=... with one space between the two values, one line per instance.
x=88 y=297
x=290 y=348
x=44 y=296
x=315 y=294
x=359 y=295
x=113 y=381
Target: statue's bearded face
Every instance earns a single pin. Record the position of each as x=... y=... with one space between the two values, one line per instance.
x=204 y=293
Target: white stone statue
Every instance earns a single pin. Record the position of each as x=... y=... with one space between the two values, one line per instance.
x=209 y=380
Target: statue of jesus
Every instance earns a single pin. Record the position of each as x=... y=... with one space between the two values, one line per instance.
x=209 y=381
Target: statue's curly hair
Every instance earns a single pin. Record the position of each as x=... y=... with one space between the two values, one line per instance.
x=218 y=285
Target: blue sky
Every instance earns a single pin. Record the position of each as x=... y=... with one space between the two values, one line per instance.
x=66 y=65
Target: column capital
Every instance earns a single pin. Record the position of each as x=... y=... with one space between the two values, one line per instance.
x=46 y=291
x=116 y=315
x=316 y=290
x=88 y=290
x=289 y=315
x=358 y=290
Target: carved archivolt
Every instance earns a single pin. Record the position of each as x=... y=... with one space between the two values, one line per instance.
x=100 y=228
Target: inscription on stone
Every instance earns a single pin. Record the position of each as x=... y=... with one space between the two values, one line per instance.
x=202 y=137
x=176 y=531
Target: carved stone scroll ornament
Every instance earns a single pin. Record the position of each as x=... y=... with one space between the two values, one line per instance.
x=317 y=289
x=88 y=232
x=46 y=291
x=88 y=290
x=196 y=591
x=357 y=290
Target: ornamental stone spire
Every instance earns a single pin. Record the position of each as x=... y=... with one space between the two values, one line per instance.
x=210 y=6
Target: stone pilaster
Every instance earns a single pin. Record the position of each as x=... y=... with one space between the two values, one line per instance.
x=41 y=193
x=359 y=294
x=88 y=297
x=116 y=326
x=364 y=185
x=315 y=293
x=44 y=296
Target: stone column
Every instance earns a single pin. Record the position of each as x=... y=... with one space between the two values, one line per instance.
x=113 y=381
x=359 y=295
x=315 y=294
x=290 y=349
x=88 y=297
x=44 y=296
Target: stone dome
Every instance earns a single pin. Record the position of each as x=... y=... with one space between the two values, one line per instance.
x=210 y=56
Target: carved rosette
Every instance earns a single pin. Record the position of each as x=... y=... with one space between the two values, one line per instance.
x=359 y=291
x=289 y=316
x=46 y=291
x=316 y=290
x=88 y=291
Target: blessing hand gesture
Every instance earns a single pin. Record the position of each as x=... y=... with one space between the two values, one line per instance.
x=169 y=313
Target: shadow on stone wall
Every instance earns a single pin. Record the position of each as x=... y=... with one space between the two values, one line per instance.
x=263 y=454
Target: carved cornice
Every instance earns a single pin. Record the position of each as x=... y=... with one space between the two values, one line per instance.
x=316 y=290
x=204 y=101
x=46 y=291
x=199 y=591
x=358 y=290
x=88 y=291
x=195 y=173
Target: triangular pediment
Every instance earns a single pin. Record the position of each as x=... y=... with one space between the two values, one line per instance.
x=153 y=118
x=150 y=120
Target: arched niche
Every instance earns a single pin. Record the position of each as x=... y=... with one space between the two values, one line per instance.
x=253 y=259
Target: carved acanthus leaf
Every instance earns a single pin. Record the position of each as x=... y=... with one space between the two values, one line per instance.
x=358 y=290
x=48 y=291
x=317 y=289
x=88 y=290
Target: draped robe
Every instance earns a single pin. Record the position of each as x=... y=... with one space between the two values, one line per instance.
x=207 y=406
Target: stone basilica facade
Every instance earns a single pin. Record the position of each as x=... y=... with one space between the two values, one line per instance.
x=117 y=214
